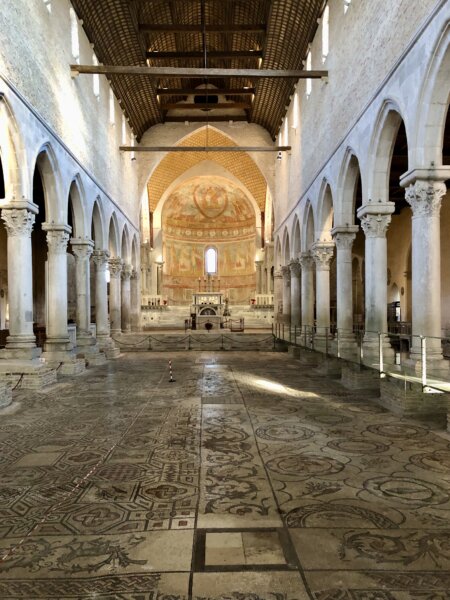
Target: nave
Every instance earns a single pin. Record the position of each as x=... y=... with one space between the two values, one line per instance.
x=251 y=477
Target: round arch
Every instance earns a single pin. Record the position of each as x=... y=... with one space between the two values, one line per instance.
x=309 y=231
x=286 y=247
x=296 y=238
x=13 y=155
x=76 y=203
x=325 y=212
x=434 y=105
x=349 y=174
x=47 y=165
x=125 y=245
x=383 y=141
x=113 y=236
x=97 y=225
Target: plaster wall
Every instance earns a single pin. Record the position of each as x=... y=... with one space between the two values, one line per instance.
x=34 y=62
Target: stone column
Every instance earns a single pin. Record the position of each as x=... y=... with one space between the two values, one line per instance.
x=159 y=277
x=21 y=342
x=101 y=294
x=286 y=294
x=295 y=292
x=344 y=238
x=425 y=199
x=278 y=293
x=115 y=284
x=58 y=342
x=135 y=302
x=375 y=219
x=307 y=264
x=82 y=250
x=258 y=264
x=126 y=298
x=322 y=253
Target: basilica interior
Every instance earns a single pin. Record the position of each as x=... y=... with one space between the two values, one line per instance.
x=224 y=299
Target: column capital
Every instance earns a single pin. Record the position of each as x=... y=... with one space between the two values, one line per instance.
x=115 y=267
x=278 y=274
x=344 y=236
x=425 y=197
x=100 y=258
x=18 y=221
x=323 y=253
x=127 y=271
x=82 y=248
x=295 y=268
x=375 y=225
x=58 y=236
x=286 y=272
x=306 y=261
x=134 y=274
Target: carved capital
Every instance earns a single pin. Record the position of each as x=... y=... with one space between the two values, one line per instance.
x=344 y=240
x=127 y=270
x=135 y=274
x=82 y=249
x=286 y=271
x=100 y=258
x=115 y=267
x=322 y=254
x=375 y=226
x=425 y=197
x=18 y=221
x=295 y=268
x=57 y=240
x=306 y=261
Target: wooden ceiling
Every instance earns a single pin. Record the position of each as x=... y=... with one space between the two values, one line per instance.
x=237 y=34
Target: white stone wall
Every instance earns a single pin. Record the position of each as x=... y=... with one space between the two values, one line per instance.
x=35 y=53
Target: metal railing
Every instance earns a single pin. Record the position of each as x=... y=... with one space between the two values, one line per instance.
x=412 y=358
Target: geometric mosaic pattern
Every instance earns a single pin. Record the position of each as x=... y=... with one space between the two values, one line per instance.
x=249 y=478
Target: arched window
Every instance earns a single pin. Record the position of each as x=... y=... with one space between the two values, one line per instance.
x=112 y=109
x=96 y=77
x=211 y=261
x=124 y=130
x=347 y=5
x=325 y=33
x=48 y=4
x=75 y=41
x=308 y=68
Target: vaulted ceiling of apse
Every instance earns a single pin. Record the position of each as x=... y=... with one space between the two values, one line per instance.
x=238 y=34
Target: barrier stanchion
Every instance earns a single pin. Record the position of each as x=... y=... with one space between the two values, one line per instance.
x=171 y=379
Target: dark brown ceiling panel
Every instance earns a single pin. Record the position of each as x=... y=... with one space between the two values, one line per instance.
x=283 y=29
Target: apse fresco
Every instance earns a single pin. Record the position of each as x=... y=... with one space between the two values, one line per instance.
x=203 y=212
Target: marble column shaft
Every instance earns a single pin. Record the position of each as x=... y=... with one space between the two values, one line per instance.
x=82 y=250
x=286 y=292
x=19 y=224
x=135 y=302
x=307 y=293
x=100 y=258
x=258 y=264
x=295 y=292
x=115 y=288
x=126 y=298
x=343 y=239
x=56 y=328
x=323 y=253
x=375 y=219
x=425 y=199
x=277 y=291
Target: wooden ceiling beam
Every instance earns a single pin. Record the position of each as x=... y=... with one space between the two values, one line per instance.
x=200 y=54
x=206 y=91
x=209 y=106
x=205 y=119
x=204 y=148
x=188 y=73
x=180 y=28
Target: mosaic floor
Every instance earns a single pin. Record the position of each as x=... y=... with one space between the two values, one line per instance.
x=249 y=478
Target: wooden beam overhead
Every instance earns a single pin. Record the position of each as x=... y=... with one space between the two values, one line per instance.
x=206 y=92
x=212 y=54
x=203 y=106
x=180 y=28
x=206 y=119
x=204 y=148
x=188 y=73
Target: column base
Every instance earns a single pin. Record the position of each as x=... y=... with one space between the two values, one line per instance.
x=5 y=394
x=14 y=353
x=348 y=348
x=27 y=374
x=371 y=352
x=66 y=361
x=62 y=344
x=107 y=345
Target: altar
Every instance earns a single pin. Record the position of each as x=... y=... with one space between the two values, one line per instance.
x=207 y=307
